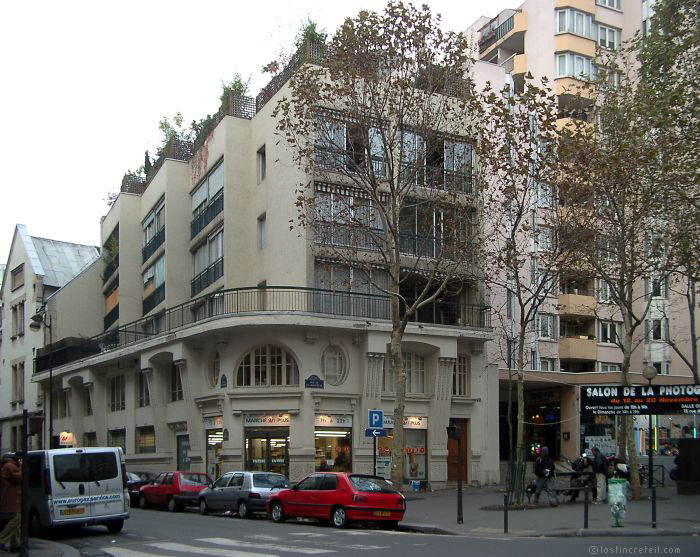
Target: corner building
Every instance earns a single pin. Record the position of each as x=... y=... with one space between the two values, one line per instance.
x=222 y=349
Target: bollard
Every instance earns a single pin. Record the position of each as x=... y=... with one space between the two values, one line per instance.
x=505 y=513
x=585 y=508
x=653 y=507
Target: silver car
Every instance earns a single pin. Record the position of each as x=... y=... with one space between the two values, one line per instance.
x=242 y=492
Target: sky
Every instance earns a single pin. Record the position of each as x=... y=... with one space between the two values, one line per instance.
x=84 y=84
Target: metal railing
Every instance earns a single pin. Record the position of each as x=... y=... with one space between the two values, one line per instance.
x=153 y=244
x=501 y=31
x=207 y=276
x=110 y=268
x=153 y=299
x=274 y=299
x=437 y=177
x=216 y=205
x=111 y=317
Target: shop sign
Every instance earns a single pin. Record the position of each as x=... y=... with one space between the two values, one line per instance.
x=213 y=422
x=313 y=382
x=326 y=420
x=271 y=420
x=618 y=400
x=409 y=422
x=66 y=439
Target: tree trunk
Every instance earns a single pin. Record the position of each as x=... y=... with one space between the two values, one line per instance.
x=518 y=484
x=397 y=445
x=692 y=305
x=633 y=460
x=627 y=444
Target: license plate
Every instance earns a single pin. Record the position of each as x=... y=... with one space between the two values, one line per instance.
x=382 y=513
x=68 y=512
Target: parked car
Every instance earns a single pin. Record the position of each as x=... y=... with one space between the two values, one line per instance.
x=340 y=498
x=134 y=482
x=243 y=492
x=174 y=490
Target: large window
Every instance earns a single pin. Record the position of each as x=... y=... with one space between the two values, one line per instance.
x=436 y=162
x=117 y=438
x=657 y=329
x=18 y=319
x=414 y=366
x=144 y=397
x=348 y=146
x=145 y=439
x=608 y=332
x=344 y=219
x=208 y=262
x=117 y=393
x=266 y=366
x=574 y=65
x=608 y=37
x=614 y=4
x=461 y=378
x=154 y=285
x=176 y=392
x=545 y=326
x=154 y=221
x=573 y=21
x=208 y=191
x=18 y=382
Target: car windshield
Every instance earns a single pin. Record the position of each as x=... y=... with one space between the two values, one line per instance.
x=371 y=484
x=194 y=479
x=269 y=480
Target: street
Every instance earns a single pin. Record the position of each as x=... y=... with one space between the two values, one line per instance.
x=160 y=533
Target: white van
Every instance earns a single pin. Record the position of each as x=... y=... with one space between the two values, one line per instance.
x=77 y=487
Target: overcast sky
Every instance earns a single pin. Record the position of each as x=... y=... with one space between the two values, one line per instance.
x=85 y=83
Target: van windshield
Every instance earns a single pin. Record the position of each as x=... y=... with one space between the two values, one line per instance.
x=85 y=467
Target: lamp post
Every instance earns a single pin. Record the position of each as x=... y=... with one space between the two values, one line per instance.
x=35 y=325
x=649 y=372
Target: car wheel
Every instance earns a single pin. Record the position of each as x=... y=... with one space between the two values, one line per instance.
x=243 y=511
x=35 y=528
x=339 y=517
x=173 y=507
x=115 y=526
x=277 y=512
x=143 y=504
x=203 y=508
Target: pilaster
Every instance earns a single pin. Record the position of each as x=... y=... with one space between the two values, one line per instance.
x=440 y=404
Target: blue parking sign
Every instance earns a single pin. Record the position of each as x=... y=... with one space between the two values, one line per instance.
x=376 y=419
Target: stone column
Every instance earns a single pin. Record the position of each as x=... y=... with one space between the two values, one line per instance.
x=156 y=395
x=77 y=411
x=195 y=426
x=371 y=399
x=439 y=419
x=98 y=397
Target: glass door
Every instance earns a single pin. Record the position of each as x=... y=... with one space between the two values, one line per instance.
x=268 y=451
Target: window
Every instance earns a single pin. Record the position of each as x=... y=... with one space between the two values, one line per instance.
x=347 y=220
x=608 y=332
x=545 y=196
x=117 y=392
x=608 y=37
x=545 y=326
x=573 y=21
x=614 y=4
x=574 y=65
x=175 y=383
x=17 y=277
x=63 y=404
x=606 y=367
x=334 y=366
x=117 y=438
x=656 y=288
x=437 y=162
x=145 y=439
x=18 y=382
x=656 y=329
x=603 y=291
x=461 y=378
x=545 y=239
x=208 y=262
x=154 y=221
x=88 y=403
x=267 y=365
x=209 y=191
x=262 y=231
x=510 y=353
x=214 y=370
x=414 y=366
x=548 y=364
x=262 y=164
x=144 y=395
x=89 y=439
x=544 y=283
x=346 y=145
x=18 y=319
x=154 y=277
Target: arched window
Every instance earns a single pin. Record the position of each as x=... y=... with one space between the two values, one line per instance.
x=267 y=365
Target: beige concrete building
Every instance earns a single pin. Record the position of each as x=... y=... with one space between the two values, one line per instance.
x=572 y=341
x=218 y=344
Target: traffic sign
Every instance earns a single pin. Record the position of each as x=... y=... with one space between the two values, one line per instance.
x=375 y=419
x=372 y=432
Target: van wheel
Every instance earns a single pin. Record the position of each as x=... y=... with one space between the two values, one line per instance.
x=173 y=507
x=339 y=517
x=277 y=512
x=115 y=526
x=203 y=508
x=243 y=510
x=143 y=504
x=35 y=528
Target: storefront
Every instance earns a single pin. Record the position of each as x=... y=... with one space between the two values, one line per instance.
x=415 y=448
x=333 y=442
x=267 y=443
x=213 y=426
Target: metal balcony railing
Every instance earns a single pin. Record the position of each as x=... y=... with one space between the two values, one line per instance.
x=153 y=299
x=207 y=276
x=111 y=317
x=153 y=244
x=216 y=205
x=273 y=299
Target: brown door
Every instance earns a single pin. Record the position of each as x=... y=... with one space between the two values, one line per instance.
x=452 y=448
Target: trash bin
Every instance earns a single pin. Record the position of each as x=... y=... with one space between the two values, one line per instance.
x=617 y=497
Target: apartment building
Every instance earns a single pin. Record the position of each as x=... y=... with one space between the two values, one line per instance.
x=36 y=268
x=225 y=341
x=573 y=339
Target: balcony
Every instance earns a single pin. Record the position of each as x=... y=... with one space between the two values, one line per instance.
x=509 y=34
x=207 y=276
x=111 y=317
x=153 y=244
x=247 y=301
x=582 y=304
x=578 y=348
x=568 y=42
x=216 y=205
x=110 y=268
x=153 y=299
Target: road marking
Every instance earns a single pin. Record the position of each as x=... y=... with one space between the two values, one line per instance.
x=272 y=547
x=123 y=552
x=354 y=533
x=169 y=546
x=266 y=537
x=309 y=534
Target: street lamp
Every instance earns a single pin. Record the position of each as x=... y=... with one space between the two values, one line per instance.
x=35 y=325
x=649 y=372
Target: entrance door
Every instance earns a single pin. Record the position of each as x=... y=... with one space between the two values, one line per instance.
x=453 y=447
x=267 y=452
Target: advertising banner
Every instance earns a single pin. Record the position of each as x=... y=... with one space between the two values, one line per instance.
x=616 y=400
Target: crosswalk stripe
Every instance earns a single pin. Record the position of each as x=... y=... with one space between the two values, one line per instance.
x=270 y=546
x=123 y=552
x=170 y=546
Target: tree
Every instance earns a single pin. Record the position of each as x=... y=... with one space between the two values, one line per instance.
x=518 y=161
x=383 y=123
x=610 y=163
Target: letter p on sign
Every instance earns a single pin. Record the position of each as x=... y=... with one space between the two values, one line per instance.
x=376 y=418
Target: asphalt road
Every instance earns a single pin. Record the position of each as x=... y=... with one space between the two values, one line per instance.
x=154 y=533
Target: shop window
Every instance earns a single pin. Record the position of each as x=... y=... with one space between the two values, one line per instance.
x=334 y=365
x=333 y=449
x=267 y=365
x=145 y=439
x=415 y=454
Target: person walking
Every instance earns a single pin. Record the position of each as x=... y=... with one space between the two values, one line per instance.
x=600 y=469
x=544 y=473
x=11 y=501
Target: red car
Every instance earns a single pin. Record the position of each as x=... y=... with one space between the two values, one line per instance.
x=339 y=498
x=174 y=490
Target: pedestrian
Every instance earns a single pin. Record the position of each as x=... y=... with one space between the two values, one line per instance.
x=600 y=469
x=545 y=472
x=11 y=502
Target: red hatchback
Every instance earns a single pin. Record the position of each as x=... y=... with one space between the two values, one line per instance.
x=340 y=498
x=174 y=490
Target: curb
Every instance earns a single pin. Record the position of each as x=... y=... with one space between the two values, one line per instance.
x=50 y=548
x=577 y=533
x=426 y=529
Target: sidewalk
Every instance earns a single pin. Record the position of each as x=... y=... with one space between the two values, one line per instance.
x=39 y=547
x=436 y=512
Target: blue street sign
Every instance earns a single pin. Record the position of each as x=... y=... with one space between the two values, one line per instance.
x=376 y=419
x=371 y=432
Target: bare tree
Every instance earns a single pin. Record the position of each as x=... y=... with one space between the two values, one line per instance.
x=382 y=119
